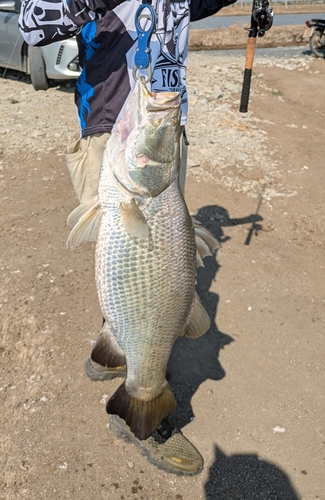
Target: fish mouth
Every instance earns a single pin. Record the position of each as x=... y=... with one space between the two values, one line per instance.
x=162 y=111
x=159 y=101
x=162 y=120
x=162 y=105
x=147 y=140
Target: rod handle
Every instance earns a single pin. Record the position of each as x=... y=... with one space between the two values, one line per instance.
x=245 y=91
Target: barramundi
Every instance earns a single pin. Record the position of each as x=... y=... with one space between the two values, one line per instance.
x=146 y=255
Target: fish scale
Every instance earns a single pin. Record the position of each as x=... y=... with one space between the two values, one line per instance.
x=146 y=288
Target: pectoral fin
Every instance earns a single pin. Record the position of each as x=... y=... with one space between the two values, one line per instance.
x=200 y=321
x=133 y=219
x=86 y=229
x=80 y=210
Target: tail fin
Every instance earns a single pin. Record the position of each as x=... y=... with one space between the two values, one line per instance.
x=143 y=417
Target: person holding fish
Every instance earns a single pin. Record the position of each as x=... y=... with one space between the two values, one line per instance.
x=128 y=188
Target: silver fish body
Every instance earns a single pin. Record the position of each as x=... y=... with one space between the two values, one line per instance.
x=146 y=286
x=145 y=256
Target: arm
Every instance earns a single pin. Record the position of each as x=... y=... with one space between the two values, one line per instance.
x=42 y=22
x=199 y=9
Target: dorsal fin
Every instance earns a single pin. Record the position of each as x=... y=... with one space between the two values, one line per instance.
x=206 y=236
x=199 y=261
x=200 y=320
x=206 y=243
x=202 y=247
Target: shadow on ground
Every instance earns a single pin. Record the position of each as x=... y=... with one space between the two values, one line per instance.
x=247 y=477
x=193 y=361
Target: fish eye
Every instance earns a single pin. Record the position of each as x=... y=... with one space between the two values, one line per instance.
x=174 y=120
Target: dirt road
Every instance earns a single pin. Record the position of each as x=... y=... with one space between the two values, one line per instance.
x=250 y=391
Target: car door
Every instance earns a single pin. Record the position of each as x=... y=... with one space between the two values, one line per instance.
x=11 y=41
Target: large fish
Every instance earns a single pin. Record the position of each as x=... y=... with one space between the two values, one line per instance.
x=145 y=255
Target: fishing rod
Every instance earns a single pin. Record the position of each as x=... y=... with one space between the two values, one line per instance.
x=261 y=21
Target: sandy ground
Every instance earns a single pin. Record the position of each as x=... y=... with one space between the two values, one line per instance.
x=250 y=392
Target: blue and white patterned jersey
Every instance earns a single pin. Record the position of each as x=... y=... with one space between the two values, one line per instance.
x=107 y=41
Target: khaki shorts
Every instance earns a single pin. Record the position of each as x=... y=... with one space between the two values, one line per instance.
x=84 y=159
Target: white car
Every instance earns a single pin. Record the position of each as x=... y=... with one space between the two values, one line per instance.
x=57 y=61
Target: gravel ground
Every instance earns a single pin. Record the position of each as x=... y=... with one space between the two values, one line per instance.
x=251 y=391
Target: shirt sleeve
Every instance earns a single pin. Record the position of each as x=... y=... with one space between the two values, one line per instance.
x=42 y=21
x=199 y=9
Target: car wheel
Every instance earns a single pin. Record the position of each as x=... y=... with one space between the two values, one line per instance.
x=37 y=69
x=317 y=43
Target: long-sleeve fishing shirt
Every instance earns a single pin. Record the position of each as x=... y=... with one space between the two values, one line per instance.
x=107 y=42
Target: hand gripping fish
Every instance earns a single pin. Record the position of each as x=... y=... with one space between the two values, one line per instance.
x=146 y=255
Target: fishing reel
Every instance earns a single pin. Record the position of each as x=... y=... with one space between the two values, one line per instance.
x=263 y=17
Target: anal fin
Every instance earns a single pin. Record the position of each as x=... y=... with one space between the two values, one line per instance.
x=142 y=416
x=200 y=321
x=106 y=352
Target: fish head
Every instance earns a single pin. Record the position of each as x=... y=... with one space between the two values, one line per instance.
x=151 y=154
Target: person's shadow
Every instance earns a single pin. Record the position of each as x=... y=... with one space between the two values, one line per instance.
x=247 y=477
x=193 y=361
